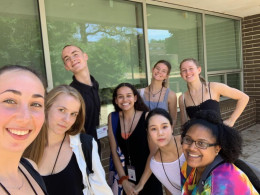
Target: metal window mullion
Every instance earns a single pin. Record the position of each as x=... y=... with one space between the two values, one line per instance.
x=46 y=51
x=204 y=47
x=147 y=53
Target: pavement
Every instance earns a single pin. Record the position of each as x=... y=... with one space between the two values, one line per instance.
x=251 y=145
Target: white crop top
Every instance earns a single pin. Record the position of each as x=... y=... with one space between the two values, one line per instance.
x=172 y=170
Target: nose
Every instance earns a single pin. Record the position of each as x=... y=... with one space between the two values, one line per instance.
x=66 y=117
x=193 y=146
x=24 y=114
x=160 y=132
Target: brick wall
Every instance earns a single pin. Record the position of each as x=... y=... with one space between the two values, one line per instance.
x=247 y=119
x=251 y=58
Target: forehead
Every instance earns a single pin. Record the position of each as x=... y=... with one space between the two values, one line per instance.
x=21 y=80
x=65 y=100
x=158 y=119
x=70 y=49
x=188 y=64
x=162 y=66
x=198 y=131
x=123 y=90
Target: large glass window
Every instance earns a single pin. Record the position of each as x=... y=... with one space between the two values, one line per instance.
x=223 y=43
x=174 y=35
x=20 y=40
x=110 y=32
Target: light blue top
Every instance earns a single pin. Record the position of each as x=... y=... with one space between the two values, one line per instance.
x=152 y=105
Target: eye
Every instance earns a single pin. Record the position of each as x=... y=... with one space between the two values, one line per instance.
x=9 y=101
x=187 y=140
x=37 y=105
x=202 y=144
x=61 y=110
x=75 y=114
x=153 y=129
x=165 y=126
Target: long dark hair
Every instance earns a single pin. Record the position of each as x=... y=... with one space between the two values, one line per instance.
x=139 y=104
x=158 y=111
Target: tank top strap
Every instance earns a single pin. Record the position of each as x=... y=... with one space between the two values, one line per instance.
x=142 y=93
x=165 y=99
x=209 y=91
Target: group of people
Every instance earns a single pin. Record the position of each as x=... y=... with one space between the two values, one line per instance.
x=49 y=145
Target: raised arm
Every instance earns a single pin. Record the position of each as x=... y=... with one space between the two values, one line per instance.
x=242 y=100
x=172 y=106
x=127 y=185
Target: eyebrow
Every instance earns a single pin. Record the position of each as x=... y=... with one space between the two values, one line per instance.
x=71 y=53
x=19 y=93
x=160 y=124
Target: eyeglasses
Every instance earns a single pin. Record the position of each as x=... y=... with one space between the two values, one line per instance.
x=198 y=144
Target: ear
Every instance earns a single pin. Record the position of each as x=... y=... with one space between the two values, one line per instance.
x=199 y=69
x=116 y=101
x=66 y=67
x=85 y=56
x=135 y=98
x=217 y=149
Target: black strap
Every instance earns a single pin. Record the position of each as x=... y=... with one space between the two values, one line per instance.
x=251 y=172
x=217 y=161
x=86 y=144
x=36 y=176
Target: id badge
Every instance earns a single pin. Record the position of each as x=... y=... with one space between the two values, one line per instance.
x=131 y=172
x=102 y=131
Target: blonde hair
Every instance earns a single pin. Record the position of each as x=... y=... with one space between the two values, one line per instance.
x=36 y=149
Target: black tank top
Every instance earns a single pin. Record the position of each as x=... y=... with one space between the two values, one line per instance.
x=209 y=104
x=68 y=181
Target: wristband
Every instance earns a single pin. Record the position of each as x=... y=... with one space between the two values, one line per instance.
x=120 y=181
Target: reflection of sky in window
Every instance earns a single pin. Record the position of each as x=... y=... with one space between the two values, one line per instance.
x=158 y=34
x=127 y=31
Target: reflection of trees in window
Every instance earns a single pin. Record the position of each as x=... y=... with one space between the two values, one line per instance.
x=114 y=53
x=21 y=41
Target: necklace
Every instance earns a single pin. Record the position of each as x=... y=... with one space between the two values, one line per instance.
x=131 y=123
x=21 y=185
x=127 y=144
x=153 y=96
x=176 y=187
x=201 y=95
x=58 y=154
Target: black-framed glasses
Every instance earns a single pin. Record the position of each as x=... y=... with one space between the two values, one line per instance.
x=198 y=144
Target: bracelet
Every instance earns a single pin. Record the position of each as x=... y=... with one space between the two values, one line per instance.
x=120 y=181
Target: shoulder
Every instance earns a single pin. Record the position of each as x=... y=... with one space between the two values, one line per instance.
x=172 y=94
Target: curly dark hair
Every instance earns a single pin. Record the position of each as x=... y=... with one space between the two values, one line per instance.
x=227 y=137
x=139 y=104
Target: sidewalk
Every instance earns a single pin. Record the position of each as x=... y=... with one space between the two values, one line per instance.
x=251 y=145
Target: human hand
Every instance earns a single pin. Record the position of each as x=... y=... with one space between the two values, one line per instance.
x=138 y=188
x=129 y=187
x=229 y=122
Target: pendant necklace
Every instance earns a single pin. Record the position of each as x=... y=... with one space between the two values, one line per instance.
x=176 y=187
x=154 y=96
x=58 y=154
x=21 y=185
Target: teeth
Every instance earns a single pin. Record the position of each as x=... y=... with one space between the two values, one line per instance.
x=17 y=132
x=125 y=104
x=193 y=155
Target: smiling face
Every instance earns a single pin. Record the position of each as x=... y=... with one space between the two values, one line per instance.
x=21 y=109
x=125 y=98
x=74 y=59
x=195 y=156
x=63 y=113
x=190 y=71
x=160 y=72
x=160 y=130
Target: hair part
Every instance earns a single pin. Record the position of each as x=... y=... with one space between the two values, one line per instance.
x=169 y=66
x=196 y=62
x=36 y=149
x=138 y=105
x=227 y=138
x=160 y=112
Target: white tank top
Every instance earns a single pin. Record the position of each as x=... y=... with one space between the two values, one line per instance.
x=172 y=170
